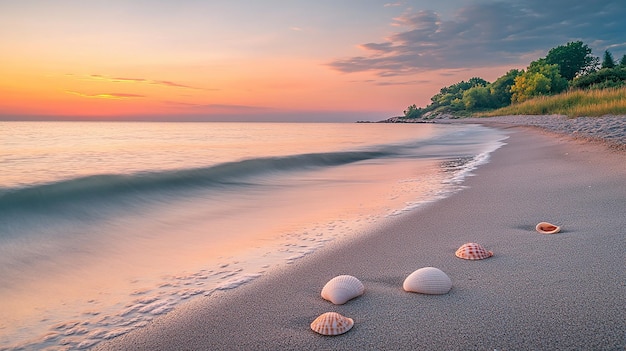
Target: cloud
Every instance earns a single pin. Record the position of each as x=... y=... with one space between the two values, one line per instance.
x=117 y=80
x=391 y=83
x=171 y=84
x=409 y=82
x=489 y=33
x=114 y=96
x=140 y=80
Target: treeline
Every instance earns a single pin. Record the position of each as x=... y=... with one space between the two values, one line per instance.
x=566 y=67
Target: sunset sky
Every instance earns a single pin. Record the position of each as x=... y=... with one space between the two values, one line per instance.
x=273 y=59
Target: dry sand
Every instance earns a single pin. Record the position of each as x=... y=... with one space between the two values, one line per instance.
x=538 y=292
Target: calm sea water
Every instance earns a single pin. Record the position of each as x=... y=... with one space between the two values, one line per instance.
x=104 y=226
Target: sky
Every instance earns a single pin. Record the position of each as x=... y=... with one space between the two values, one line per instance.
x=273 y=60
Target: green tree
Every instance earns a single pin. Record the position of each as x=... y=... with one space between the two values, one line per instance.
x=603 y=78
x=452 y=96
x=540 y=78
x=622 y=62
x=573 y=59
x=501 y=88
x=528 y=85
x=413 y=112
x=457 y=105
x=478 y=97
x=550 y=71
x=477 y=81
x=607 y=61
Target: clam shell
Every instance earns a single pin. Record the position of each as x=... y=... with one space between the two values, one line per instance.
x=332 y=323
x=472 y=251
x=547 y=228
x=428 y=280
x=342 y=288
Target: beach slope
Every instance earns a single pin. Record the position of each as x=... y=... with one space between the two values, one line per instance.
x=565 y=291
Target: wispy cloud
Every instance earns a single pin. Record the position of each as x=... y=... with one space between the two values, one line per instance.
x=114 y=96
x=171 y=84
x=116 y=80
x=392 y=83
x=408 y=82
x=488 y=33
x=165 y=83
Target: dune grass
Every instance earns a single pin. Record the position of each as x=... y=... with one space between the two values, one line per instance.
x=576 y=103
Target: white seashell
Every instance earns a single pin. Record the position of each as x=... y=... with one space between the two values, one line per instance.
x=342 y=288
x=332 y=323
x=428 y=280
x=547 y=228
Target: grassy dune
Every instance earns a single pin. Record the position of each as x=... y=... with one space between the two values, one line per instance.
x=575 y=103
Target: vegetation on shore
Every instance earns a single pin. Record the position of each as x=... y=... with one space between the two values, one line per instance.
x=568 y=81
x=573 y=103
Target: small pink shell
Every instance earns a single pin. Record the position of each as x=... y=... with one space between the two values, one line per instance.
x=547 y=228
x=472 y=251
x=332 y=323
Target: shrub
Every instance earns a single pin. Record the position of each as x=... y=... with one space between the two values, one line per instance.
x=606 y=77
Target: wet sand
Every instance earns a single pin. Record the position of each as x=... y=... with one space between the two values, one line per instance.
x=565 y=291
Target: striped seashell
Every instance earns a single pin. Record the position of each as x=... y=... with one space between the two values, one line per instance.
x=332 y=323
x=428 y=280
x=342 y=288
x=547 y=228
x=472 y=251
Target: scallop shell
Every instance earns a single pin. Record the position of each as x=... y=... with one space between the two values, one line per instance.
x=342 y=288
x=332 y=323
x=547 y=228
x=428 y=280
x=472 y=251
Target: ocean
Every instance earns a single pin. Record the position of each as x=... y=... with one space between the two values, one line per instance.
x=106 y=225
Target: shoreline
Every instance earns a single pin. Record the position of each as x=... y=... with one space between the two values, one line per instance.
x=607 y=130
x=559 y=291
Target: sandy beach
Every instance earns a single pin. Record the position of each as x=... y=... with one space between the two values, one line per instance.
x=565 y=291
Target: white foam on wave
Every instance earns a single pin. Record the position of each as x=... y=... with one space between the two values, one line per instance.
x=451 y=180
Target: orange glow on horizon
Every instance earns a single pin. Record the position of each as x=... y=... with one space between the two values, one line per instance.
x=237 y=87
